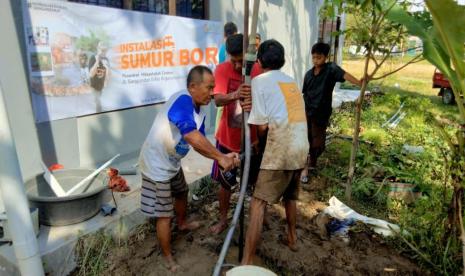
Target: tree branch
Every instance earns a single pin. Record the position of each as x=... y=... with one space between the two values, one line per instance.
x=388 y=54
x=374 y=60
x=383 y=14
x=416 y=59
x=356 y=20
x=378 y=66
x=421 y=254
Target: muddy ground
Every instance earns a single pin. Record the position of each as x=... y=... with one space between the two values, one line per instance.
x=365 y=254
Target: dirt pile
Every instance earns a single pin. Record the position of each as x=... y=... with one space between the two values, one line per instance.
x=197 y=252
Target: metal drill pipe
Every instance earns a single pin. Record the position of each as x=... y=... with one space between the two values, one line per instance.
x=250 y=60
x=245 y=44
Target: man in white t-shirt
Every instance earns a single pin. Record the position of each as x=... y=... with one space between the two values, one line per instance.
x=179 y=125
x=278 y=112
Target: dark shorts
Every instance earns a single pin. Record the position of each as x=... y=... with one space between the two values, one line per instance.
x=272 y=185
x=157 y=196
x=229 y=179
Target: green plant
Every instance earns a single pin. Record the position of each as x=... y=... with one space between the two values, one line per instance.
x=430 y=244
x=383 y=164
x=443 y=43
x=92 y=251
x=204 y=187
x=377 y=136
x=378 y=37
x=428 y=241
x=368 y=191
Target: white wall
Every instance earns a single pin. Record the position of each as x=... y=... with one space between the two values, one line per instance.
x=105 y=135
x=15 y=90
x=83 y=141
x=294 y=23
x=93 y=139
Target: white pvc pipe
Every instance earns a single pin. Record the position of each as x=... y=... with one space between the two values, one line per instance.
x=16 y=205
x=52 y=181
x=90 y=176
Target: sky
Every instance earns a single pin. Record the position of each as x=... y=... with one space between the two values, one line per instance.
x=419 y=4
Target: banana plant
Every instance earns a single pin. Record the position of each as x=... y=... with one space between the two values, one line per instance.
x=443 y=46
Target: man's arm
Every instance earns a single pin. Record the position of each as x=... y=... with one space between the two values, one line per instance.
x=93 y=67
x=348 y=77
x=181 y=115
x=305 y=84
x=224 y=99
x=243 y=93
x=205 y=148
x=220 y=93
x=262 y=130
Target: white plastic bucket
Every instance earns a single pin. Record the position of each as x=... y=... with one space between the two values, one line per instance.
x=250 y=270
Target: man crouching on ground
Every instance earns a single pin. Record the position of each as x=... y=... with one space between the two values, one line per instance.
x=179 y=125
x=278 y=111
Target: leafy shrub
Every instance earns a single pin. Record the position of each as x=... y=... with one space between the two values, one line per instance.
x=378 y=136
x=429 y=242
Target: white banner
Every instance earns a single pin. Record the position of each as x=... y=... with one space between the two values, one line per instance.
x=86 y=59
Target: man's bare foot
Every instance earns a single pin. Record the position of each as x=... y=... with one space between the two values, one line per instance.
x=219 y=227
x=292 y=245
x=189 y=226
x=304 y=175
x=171 y=265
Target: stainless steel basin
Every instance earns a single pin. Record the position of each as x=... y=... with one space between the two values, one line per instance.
x=69 y=209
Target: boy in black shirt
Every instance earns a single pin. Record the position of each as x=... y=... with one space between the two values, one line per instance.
x=318 y=89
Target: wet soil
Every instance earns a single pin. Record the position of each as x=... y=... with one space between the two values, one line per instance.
x=365 y=253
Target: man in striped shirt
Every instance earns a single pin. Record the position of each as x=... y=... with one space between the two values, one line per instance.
x=179 y=125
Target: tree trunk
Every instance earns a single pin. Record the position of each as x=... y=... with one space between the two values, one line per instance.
x=455 y=225
x=462 y=230
x=172 y=7
x=358 y=116
x=456 y=208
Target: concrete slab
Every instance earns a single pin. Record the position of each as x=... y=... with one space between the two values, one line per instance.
x=57 y=243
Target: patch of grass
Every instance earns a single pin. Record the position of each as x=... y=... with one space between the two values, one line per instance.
x=378 y=136
x=204 y=187
x=92 y=251
x=430 y=244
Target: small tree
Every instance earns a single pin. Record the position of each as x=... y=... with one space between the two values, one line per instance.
x=443 y=44
x=377 y=36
